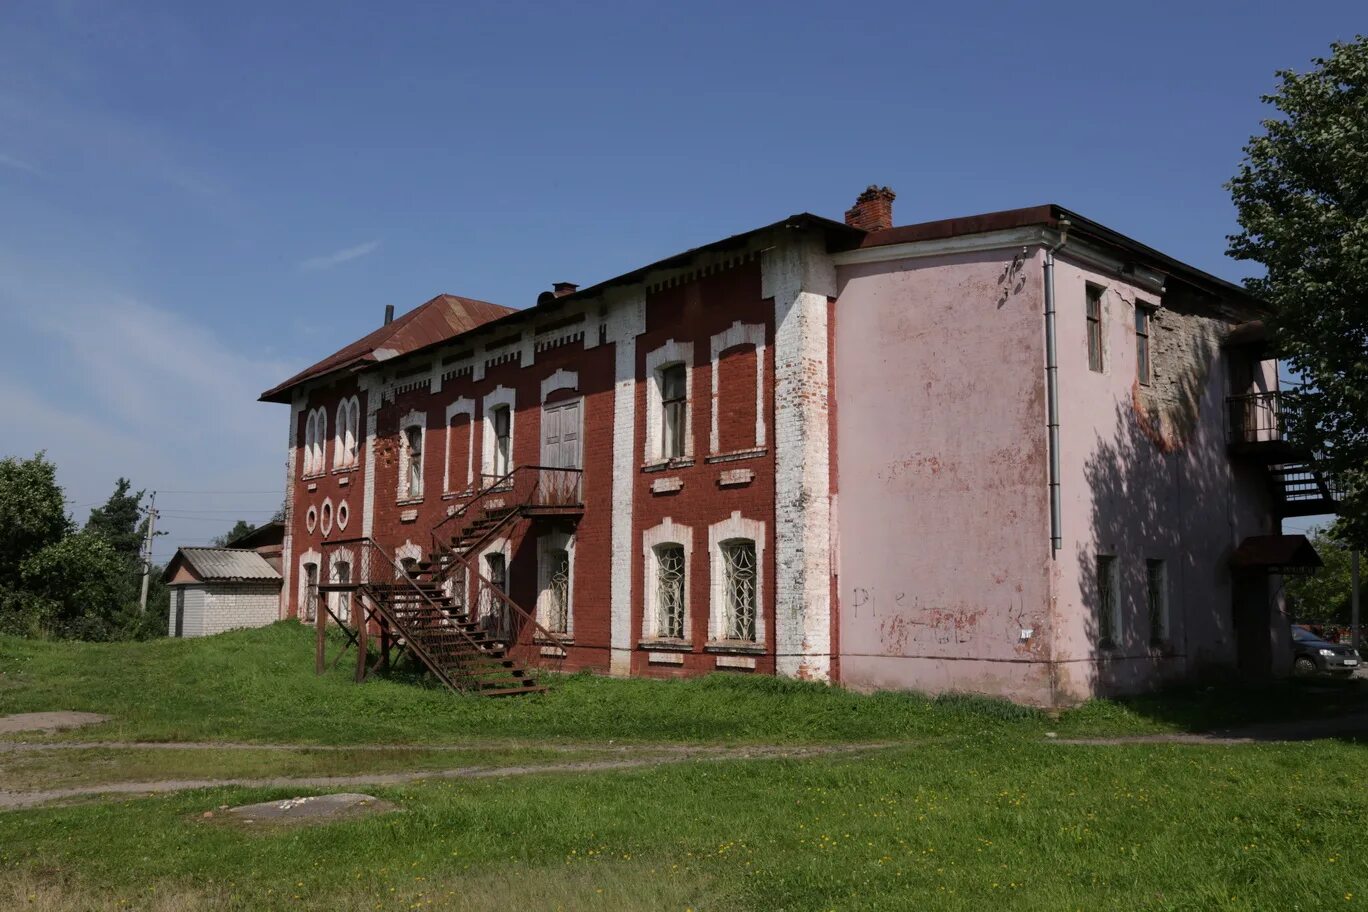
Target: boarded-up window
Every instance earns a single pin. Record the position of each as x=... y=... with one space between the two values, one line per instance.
x=736 y=399
x=458 y=452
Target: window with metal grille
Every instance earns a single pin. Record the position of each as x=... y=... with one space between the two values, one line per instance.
x=503 y=440
x=558 y=592
x=1142 y=344
x=674 y=400
x=341 y=574
x=670 y=591
x=1108 y=605
x=738 y=558
x=1156 y=584
x=1095 y=327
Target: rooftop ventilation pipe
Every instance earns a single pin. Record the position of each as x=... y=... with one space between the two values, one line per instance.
x=389 y=314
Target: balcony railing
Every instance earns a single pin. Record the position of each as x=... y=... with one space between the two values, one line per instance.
x=1254 y=418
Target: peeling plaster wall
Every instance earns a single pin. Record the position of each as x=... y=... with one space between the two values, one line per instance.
x=944 y=547
x=1146 y=475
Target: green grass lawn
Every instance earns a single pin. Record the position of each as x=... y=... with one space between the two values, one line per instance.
x=971 y=807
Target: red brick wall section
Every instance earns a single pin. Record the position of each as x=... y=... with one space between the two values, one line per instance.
x=692 y=312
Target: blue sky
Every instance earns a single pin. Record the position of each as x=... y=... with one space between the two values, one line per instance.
x=196 y=199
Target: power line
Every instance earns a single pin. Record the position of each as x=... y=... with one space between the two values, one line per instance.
x=277 y=492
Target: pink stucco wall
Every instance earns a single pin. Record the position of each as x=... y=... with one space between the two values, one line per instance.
x=1123 y=494
x=944 y=547
x=946 y=579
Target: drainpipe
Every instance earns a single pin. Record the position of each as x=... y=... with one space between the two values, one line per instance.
x=1052 y=390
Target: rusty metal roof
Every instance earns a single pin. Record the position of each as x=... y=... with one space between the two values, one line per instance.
x=442 y=318
x=216 y=564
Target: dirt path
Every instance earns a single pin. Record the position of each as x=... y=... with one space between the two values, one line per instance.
x=606 y=746
x=673 y=754
x=1353 y=726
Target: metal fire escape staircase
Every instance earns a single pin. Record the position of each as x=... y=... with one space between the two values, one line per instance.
x=443 y=610
x=1255 y=433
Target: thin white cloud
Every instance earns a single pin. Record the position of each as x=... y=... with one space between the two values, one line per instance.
x=337 y=258
x=19 y=164
x=112 y=386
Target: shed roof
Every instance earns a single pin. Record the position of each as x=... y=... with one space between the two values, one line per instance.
x=222 y=564
x=1276 y=554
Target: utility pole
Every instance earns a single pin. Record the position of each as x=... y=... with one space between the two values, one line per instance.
x=147 y=551
x=1354 y=597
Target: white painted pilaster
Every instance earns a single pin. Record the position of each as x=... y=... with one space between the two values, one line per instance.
x=799 y=275
x=626 y=320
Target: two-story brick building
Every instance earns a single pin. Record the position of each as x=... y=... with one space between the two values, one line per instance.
x=1016 y=453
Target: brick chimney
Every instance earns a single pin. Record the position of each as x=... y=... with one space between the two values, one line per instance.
x=873 y=209
x=561 y=289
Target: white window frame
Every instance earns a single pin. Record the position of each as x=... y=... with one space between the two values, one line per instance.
x=341 y=556
x=667 y=355
x=547 y=545
x=736 y=335
x=500 y=395
x=310 y=440
x=407 y=551
x=730 y=529
x=462 y=406
x=414 y=419
x=346 y=441
x=302 y=595
x=668 y=532
x=497 y=546
x=315 y=442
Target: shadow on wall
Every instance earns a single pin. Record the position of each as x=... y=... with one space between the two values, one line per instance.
x=1153 y=578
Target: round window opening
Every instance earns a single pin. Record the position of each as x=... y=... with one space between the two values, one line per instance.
x=343 y=514
x=311 y=518
x=327 y=516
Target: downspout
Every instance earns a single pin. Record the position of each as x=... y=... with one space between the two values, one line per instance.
x=1052 y=390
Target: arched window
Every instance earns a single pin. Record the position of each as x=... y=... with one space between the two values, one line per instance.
x=667 y=550
x=345 y=450
x=669 y=591
x=411 y=456
x=310 y=441
x=739 y=601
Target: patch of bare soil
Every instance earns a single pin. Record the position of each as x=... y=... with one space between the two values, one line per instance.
x=304 y=810
x=27 y=799
x=48 y=721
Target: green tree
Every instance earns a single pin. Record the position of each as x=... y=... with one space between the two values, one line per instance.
x=119 y=521
x=1323 y=597
x=240 y=528
x=1301 y=195
x=76 y=587
x=32 y=513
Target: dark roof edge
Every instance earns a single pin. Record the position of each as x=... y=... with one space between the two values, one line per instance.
x=838 y=235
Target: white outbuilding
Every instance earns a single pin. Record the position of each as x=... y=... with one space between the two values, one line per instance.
x=217 y=589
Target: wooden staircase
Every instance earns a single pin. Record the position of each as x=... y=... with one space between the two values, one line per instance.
x=463 y=627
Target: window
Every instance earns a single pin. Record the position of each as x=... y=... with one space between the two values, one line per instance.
x=1108 y=605
x=674 y=401
x=501 y=419
x=1142 y=344
x=1095 y=327
x=346 y=443
x=738 y=557
x=669 y=603
x=1156 y=590
x=310 y=592
x=558 y=592
x=341 y=574
x=315 y=442
x=411 y=456
x=492 y=608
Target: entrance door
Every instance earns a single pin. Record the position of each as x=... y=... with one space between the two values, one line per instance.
x=560 y=450
x=1253 y=633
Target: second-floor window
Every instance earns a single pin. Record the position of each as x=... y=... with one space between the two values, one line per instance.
x=674 y=401
x=501 y=419
x=411 y=462
x=1142 y=344
x=1094 y=313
